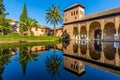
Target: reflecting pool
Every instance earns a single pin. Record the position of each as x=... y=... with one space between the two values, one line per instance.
x=78 y=60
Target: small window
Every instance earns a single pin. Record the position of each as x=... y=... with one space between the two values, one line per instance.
x=76 y=12
x=71 y=13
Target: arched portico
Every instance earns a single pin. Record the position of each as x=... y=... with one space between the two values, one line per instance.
x=83 y=32
x=119 y=31
x=95 y=30
x=98 y=33
x=109 y=31
x=75 y=32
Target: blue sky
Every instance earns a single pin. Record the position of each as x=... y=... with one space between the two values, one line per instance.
x=37 y=8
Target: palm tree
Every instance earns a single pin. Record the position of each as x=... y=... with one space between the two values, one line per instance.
x=53 y=15
x=28 y=24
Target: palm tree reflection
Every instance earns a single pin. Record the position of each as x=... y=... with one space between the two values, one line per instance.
x=53 y=63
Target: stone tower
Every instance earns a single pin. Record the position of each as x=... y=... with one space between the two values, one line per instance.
x=73 y=13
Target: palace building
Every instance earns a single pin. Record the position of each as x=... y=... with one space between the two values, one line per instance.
x=103 y=25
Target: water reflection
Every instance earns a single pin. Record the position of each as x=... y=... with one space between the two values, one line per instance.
x=53 y=63
x=49 y=60
x=101 y=52
x=73 y=65
x=23 y=55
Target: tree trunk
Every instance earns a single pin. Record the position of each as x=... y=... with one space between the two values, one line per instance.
x=29 y=33
x=2 y=33
x=54 y=28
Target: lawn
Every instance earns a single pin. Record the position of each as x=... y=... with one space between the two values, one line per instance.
x=15 y=37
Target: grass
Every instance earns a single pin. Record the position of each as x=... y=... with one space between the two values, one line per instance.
x=17 y=37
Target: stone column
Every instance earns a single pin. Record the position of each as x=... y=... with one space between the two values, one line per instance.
x=102 y=28
x=87 y=26
x=79 y=36
x=116 y=27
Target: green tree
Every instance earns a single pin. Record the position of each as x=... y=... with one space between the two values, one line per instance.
x=23 y=18
x=28 y=24
x=4 y=24
x=2 y=7
x=54 y=15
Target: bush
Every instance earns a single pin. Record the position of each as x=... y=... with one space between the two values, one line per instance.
x=14 y=34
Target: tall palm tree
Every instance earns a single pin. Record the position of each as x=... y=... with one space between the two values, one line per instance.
x=28 y=24
x=54 y=15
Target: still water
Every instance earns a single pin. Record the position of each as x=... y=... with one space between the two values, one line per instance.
x=72 y=61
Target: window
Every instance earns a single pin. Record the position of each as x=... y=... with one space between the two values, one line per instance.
x=76 y=12
x=71 y=13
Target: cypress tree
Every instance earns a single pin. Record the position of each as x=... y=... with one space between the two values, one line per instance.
x=23 y=18
x=24 y=14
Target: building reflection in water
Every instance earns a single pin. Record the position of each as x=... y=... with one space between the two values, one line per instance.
x=107 y=53
x=73 y=65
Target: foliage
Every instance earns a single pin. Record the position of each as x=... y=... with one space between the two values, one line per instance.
x=14 y=34
x=2 y=7
x=54 y=16
x=4 y=24
x=28 y=24
x=23 y=18
x=24 y=14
